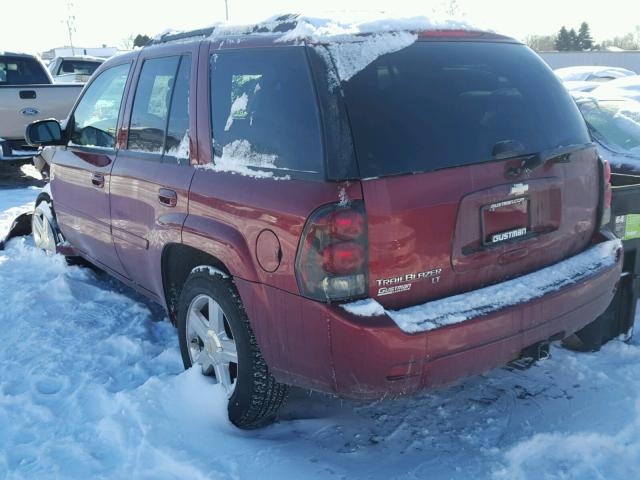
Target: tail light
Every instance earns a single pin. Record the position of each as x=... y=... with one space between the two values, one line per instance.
x=606 y=193
x=332 y=257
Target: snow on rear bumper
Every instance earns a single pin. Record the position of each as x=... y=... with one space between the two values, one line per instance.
x=467 y=306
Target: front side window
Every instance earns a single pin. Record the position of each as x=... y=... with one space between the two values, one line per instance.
x=96 y=116
x=264 y=111
x=151 y=105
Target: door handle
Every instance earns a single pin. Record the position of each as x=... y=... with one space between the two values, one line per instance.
x=167 y=197
x=97 y=180
x=27 y=94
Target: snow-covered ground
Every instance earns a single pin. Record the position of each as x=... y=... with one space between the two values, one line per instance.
x=92 y=386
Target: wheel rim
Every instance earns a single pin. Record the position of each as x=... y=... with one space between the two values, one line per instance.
x=43 y=234
x=210 y=341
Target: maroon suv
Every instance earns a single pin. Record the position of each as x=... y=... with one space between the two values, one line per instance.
x=425 y=219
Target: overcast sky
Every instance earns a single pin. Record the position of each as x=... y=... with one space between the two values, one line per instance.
x=38 y=25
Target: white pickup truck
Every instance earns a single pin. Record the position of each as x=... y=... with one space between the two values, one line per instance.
x=27 y=93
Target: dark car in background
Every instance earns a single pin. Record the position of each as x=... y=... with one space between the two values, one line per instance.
x=367 y=231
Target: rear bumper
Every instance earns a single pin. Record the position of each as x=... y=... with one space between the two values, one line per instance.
x=324 y=347
x=16 y=150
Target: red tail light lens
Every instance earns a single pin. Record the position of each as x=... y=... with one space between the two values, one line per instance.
x=331 y=263
x=347 y=224
x=343 y=258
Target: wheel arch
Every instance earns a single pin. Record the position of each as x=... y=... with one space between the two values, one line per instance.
x=178 y=261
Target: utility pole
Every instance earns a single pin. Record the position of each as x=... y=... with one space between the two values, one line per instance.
x=226 y=9
x=71 y=25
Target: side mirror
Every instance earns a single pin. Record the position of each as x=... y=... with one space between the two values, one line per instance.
x=43 y=133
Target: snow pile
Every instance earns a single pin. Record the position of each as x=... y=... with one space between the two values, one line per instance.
x=182 y=150
x=239 y=158
x=580 y=455
x=92 y=386
x=463 y=307
x=364 y=308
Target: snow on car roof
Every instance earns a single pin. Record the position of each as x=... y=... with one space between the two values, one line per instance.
x=355 y=40
x=627 y=87
x=583 y=72
x=352 y=40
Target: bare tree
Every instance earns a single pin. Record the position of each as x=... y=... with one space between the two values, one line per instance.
x=70 y=22
x=452 y=8
x=541 y=43
x=127 y=42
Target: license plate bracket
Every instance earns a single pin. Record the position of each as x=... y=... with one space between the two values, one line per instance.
x=505 y=220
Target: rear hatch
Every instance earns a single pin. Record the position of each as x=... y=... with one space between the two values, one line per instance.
x=476 y=165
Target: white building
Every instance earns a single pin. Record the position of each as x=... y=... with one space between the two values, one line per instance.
x=100 y=52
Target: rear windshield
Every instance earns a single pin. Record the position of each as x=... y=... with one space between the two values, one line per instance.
x=437 y=105
x=78 y=67
x=21 y=71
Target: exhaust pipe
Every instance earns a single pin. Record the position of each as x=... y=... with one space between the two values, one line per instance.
x=530 y=355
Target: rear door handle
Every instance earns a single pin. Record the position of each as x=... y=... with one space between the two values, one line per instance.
x=167 y=197
x=97 y=180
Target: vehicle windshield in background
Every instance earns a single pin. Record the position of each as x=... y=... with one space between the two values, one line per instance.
x=21 y=71
x=437 y=105
x=78 y=67
x=615 y=123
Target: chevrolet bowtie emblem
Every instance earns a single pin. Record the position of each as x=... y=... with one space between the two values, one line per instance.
x=519 y=189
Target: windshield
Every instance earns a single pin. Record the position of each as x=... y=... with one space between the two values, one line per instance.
x=615 y=123
x=21 y=71
x=443 y=104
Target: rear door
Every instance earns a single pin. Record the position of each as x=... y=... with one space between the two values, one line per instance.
x=478 y=168
x=151 y=177
x=81 y=171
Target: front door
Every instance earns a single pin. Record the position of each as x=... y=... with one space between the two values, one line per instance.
x=151 y=177
x=81 y=170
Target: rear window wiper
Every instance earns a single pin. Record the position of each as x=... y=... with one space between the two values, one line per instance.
x=557 y=155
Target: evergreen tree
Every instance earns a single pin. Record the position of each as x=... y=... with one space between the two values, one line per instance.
x=585 y=41
x=141 y=40
x=573 y=40
x=562 y=40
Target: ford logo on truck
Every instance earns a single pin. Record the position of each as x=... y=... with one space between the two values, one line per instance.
x=29 y=111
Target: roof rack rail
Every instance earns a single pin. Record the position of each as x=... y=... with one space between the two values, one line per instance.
x=171 y=37
x=283 y=23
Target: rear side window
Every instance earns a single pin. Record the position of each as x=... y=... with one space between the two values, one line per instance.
x=436 y=105
x=151 y=104
x=21 y=71
x=96 y=117
x=264 y=110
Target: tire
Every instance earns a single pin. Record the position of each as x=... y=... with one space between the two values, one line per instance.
x=255 y=396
